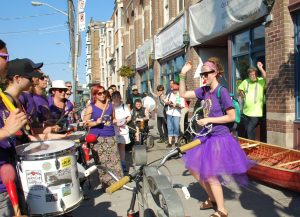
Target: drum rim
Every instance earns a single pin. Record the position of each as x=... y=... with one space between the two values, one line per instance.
x=46 y=155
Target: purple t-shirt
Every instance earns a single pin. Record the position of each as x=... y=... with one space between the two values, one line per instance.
x=27 y=102
x=57 y=113
x=105 y=129
x=6 y=145
x=42 y=107
x=212 y=107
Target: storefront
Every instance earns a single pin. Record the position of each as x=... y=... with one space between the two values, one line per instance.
x=234 y=32
x=294 y=8
x=169 y=51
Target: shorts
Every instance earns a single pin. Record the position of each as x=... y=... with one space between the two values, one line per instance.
x=123 y=139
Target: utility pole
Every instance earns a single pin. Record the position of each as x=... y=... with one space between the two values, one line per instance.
x=73 y=46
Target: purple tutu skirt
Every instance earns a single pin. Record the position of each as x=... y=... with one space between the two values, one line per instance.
x=218 y=156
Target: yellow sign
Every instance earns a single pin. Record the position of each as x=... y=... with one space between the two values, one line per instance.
x=66 y=162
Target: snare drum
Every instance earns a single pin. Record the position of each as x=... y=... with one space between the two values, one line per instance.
x=49 y=177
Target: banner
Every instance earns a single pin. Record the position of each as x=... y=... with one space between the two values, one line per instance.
x=81 y=5
x=210 y=19
x=81 y=17
x=143 y=53
x=170 y=39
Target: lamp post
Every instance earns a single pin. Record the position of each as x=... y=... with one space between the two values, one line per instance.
x=71 y=33
x=33 y=3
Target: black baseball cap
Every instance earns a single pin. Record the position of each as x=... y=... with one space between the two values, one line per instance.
x=22 y=67
x=34 y=65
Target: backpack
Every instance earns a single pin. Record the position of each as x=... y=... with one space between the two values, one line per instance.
x=235 y=103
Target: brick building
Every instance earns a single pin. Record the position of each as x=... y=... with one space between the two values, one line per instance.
x=159 y=36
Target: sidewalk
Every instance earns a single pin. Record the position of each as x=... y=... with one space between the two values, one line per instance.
x=256 y=200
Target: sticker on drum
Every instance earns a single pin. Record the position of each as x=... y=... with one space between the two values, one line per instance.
x=46 y=166
x=66 y=162
x=34 y=180
x=66 y=191
x=76 y=135
x=58 y=177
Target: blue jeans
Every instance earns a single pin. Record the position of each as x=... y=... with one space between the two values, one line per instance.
x=6 y=208
x=173 y=124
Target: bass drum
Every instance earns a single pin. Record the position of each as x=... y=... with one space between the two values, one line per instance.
x=49 y=177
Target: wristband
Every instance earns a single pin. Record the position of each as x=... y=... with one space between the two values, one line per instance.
x=182 y=77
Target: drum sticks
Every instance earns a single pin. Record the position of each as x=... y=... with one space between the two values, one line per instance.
x=8 y=176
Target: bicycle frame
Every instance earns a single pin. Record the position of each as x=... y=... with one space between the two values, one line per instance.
x=156 y=193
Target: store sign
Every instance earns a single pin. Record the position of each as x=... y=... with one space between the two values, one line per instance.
x=143 y=53
x=210 y=19
x=170 y=40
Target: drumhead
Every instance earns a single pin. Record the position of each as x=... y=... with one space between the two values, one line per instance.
x=44 y=148
x=76 y=135
x=149 y=103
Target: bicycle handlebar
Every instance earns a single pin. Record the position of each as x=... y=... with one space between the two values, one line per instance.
x=189 y=146
x=119 y=184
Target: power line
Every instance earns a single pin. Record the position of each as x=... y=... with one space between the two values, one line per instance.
x=25 y=17
x=40 y=30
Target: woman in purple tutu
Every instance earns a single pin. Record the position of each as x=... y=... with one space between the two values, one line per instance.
x=219 y=154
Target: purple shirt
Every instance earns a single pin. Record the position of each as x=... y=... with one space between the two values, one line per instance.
x=27 y=102
x=57 y=113
x=105 y=129
x=212 y=107
x=42 y=107
x=6 y=145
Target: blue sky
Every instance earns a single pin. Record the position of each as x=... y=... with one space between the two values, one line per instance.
x=41 y=34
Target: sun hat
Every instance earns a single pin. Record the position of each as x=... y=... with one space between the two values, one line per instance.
x=58 y=84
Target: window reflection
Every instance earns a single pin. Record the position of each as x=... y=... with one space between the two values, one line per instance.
x=242 y=41
x=258 y=37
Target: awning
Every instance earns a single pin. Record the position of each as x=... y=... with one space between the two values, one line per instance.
x=210 y=19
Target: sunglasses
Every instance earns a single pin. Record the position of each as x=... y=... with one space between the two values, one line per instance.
x=69 y=86
x=205 y=74
x=68 y=94
x=60 y=90
x=160 y=90
x=100 y=93
x=5 y=56
x=42 y=78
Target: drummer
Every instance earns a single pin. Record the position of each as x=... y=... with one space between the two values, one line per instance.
x=59 y=106
x=106 y=150
x=10 y=123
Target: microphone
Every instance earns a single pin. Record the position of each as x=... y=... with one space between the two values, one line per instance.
x=8 y=176
x=90 y=138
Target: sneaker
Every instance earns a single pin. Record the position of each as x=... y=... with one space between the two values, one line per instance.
x=160 y=141
x=169 y=145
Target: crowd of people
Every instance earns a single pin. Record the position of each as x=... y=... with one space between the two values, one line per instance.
x=45 y=113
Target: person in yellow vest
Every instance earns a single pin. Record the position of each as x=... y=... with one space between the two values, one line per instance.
x=252 y=90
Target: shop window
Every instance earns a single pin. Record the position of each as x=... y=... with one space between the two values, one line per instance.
x=147 y=75
x=248 y=47
x=170 y=71
x=297 y=65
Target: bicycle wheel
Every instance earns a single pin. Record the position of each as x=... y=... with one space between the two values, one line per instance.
x=182 y=140
x=170 y=203
x=150 y=141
